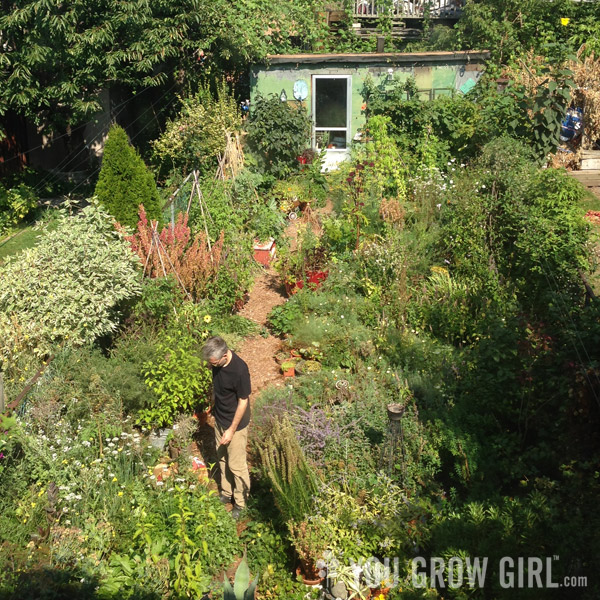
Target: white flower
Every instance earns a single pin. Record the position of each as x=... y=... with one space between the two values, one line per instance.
x=160 y=483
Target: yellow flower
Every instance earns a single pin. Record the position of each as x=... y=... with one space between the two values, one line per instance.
x=565 y=21
x=120 y=494
x=33 y=505
x=207 y=319
x=114 y=479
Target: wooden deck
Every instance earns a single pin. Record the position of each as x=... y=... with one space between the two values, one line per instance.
x=589 y=174
x=408 y=9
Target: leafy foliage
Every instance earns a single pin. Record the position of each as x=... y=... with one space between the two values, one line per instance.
x=15 y=204
x=194 y=265
x=177 y=374
x=66 y=290
x=278 y=132
x=56 y=59
x=196 y=137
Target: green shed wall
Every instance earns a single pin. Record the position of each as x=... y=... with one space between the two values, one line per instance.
x=432 y=79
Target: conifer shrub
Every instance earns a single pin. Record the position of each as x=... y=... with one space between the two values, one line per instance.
x=125 y=182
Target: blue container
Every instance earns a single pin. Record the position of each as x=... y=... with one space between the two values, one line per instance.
x=571 y=126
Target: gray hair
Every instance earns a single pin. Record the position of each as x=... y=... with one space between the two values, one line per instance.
x=215 y=347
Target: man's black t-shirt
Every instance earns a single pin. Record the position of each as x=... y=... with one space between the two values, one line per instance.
x=229 y=384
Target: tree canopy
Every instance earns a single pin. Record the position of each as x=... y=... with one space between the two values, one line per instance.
x=56 y=57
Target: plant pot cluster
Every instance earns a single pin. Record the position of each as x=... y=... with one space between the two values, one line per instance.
x=297 y=362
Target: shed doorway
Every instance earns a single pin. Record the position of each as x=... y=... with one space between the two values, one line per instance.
x=332 y=102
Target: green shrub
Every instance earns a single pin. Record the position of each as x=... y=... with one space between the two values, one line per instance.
x=177 y=373
x=196 y=137
x=125 y=182
x=234 y=278
x=159 y=298
x=84 y=373
x=66 y=291
x=284 y=464
x=278 y=132
x=15 y=204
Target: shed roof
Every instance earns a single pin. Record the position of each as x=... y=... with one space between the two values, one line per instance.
x=379 y=57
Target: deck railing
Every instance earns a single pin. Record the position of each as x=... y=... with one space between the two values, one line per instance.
x=406 y=8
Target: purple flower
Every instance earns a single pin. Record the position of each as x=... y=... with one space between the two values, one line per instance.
x=313 y=429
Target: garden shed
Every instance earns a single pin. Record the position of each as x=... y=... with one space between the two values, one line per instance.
x=331 y=86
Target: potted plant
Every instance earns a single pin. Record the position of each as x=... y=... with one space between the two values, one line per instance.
x=307 y=367
x=288 y=368
x=294 y=265
x=281 y=356
x=309 y=539
x=378 y=577
x=350 y=576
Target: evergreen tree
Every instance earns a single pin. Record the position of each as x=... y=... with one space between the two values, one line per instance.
x=125 y=182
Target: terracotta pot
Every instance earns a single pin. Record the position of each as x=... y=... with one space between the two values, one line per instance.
x=307 y=580
x=395 y=411
x=291 y=372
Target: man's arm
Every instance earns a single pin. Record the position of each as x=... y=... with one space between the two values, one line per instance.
x=239 y=413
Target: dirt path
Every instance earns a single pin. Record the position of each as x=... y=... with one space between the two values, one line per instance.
x=259 y=352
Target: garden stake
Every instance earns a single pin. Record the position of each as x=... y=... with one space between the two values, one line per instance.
x=196 y=187
x=159 y=245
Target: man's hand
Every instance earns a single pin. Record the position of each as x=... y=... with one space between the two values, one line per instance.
x=226 y=437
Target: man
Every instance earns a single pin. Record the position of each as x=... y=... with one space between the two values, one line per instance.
x=231 y=393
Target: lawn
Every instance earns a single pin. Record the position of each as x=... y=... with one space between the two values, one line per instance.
x=26 y=236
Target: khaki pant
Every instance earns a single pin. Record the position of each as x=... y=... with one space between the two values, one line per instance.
x=235 y=478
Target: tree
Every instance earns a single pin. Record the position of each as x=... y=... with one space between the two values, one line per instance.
x=125 y=182
x=56 y=56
